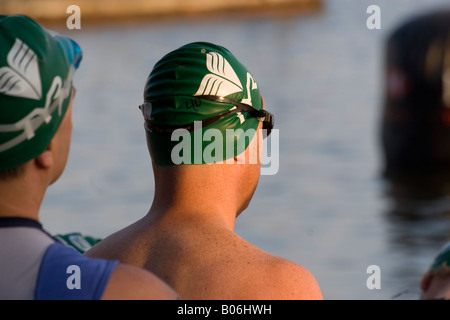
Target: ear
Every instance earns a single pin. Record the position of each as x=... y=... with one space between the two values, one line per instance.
x=253 y=153
x=45 y=159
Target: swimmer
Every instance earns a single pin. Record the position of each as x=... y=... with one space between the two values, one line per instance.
x=36 y=93
x=187 y=238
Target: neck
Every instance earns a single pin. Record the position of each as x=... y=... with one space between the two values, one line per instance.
x=22 y=196
x=200 y=192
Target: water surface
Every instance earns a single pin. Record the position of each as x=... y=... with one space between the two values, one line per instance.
x=321 y=75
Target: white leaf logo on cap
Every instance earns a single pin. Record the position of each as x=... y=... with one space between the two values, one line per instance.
x=21 y=78
x=222 y=81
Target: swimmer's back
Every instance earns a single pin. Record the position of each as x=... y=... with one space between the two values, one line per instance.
x=223 y=267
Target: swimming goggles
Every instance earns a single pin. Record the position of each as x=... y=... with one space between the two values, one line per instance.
x=264 y=116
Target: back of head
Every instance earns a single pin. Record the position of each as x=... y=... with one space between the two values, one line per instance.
x=205 y=92
x=36 y=70
x=416 y=117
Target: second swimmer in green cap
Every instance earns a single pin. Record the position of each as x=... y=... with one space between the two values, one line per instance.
x=36 y=93
x=204 y=122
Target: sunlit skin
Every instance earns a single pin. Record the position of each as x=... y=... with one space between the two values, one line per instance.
x=187 y=238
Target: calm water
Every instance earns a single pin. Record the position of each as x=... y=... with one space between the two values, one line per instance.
x=321 y=74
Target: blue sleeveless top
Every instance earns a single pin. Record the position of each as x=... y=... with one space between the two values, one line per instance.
x=65 y=274
x=33 y=265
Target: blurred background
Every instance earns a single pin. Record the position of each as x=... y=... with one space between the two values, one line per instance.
x=323 y=73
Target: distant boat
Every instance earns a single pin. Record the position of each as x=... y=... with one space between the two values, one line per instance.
x=119 y=9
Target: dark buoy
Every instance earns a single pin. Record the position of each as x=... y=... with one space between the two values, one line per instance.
x=415 y=122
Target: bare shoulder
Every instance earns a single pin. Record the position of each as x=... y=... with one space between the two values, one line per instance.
x=272 y=277
x=293 y=281
x=132 y=283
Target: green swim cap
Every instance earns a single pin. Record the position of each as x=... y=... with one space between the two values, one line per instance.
x=36 y=70
x=196 y=82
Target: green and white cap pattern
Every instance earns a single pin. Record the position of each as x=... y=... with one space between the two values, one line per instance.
x=36 y=70
x=175 y=89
